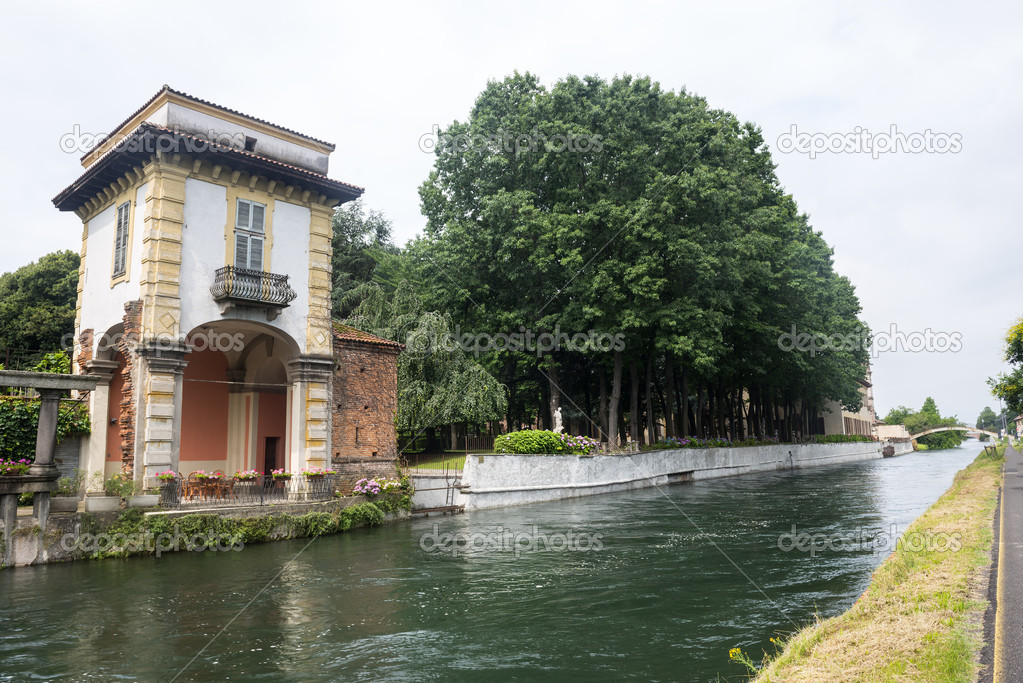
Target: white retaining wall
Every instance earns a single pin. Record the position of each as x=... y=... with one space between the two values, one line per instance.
x=491 y=481
x=431 y=491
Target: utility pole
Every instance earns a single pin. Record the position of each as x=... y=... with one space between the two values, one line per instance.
x=1001 y=412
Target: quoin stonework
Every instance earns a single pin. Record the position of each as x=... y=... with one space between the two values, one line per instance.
x=204 y=301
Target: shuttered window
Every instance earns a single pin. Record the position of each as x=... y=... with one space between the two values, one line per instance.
x=121 y=240
x=248 y=235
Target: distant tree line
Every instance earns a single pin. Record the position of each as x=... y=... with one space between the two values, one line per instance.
x=928 y=417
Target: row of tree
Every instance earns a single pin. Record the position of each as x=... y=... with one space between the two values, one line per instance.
x=666 y=237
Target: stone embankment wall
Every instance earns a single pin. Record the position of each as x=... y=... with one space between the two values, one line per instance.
x=490 y=481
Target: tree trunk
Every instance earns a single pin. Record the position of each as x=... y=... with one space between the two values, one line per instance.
x=669 y=397
x=616 y=396
x=634 y=400
x=701 y=424
x=602 y=378
x=684 y=402
x=588 y=410
x=555 y=391
x=651 y=433
x=721 y=405
x=712 y=428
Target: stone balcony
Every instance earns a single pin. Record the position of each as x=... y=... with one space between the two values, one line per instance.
x=240 y=287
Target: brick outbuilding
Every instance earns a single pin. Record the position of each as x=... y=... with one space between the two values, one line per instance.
x=365 y=399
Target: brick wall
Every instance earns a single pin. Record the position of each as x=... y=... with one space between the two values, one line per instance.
x=352 y=470
x=365 y=398
x=84 y=349
x=132 y=328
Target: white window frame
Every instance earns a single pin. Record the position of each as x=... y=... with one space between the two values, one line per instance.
x=121 y=231
x=249 y=234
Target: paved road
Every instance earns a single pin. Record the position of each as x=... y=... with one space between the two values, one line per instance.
x=1008 y=651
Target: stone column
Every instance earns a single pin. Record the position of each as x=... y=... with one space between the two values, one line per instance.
x=310 y=410
x=162 y=374
x=46 y=438
x=93 y=455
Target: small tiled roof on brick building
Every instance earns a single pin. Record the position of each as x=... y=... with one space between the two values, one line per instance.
x=347 y=333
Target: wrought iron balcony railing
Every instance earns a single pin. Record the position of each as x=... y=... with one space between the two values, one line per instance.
x=252 y=287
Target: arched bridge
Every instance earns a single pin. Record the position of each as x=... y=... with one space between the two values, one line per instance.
x=972 y=430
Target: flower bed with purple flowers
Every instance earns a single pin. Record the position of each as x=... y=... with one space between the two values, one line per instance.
x=13 y=468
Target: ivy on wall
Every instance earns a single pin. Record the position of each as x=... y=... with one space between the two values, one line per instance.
x=19 y=422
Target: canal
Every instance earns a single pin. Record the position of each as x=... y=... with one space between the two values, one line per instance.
x=647 y=585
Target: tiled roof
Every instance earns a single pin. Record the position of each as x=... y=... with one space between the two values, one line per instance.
x=349 y=333
x=133 y=150
x=167 y=88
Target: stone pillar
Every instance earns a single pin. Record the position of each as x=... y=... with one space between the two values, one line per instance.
x=46 y=436
x=8 y=518
x=162 y=373
x=310 y=410
x=93 y=454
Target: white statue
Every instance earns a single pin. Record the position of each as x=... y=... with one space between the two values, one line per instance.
x=559 y=427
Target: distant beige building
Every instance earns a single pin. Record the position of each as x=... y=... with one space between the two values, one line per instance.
x=839 y=421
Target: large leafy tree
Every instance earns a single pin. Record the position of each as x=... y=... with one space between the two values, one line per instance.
x=664 y=224
x=988 y=420
x=37 y=307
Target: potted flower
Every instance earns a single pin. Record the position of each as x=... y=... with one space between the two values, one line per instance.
x=113 y=489
x=14 y=468
x=68 y=493
x=138 y=496
x=246 y=475
x=169 y=490
x=280 y=475
x=316 y=472
x=367 y=487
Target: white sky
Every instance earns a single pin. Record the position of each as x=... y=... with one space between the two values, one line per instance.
x=930 y=240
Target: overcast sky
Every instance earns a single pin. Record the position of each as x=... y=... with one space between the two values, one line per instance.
x=931 y=240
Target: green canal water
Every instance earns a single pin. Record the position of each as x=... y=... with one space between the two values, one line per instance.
x=646 y=585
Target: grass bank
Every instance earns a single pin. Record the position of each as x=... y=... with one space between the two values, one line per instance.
x=921 y=617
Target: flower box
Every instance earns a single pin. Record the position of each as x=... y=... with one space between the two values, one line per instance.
x=144 y=501
x=102 y=503
x=64 y=503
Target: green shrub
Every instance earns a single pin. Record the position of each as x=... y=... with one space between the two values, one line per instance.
x=70 y=486
x=531 y=441
x=840 y=438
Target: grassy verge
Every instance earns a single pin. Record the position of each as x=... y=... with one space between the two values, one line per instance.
x=437 y=461
x=921 y=617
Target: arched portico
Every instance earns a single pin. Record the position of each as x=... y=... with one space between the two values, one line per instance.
x=237 y=411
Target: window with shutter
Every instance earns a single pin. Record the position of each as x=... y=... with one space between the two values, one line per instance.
x=121 y=240
x=248 y=235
